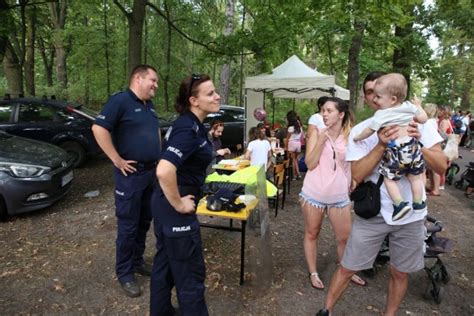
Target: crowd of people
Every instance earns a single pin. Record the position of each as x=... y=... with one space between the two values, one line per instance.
x=160 y=179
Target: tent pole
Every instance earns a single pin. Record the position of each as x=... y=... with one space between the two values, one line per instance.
x=273 y=114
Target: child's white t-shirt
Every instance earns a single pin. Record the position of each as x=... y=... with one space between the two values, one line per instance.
x=259 y=149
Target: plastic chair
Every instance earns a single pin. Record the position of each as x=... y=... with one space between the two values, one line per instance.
x=239 y=149
x=279 y=174
x=288 y=173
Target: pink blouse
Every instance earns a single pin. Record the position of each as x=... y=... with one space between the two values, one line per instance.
x=329 y=182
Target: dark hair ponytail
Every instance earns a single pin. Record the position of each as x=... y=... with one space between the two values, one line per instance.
x=343 y=106
x=188 y=87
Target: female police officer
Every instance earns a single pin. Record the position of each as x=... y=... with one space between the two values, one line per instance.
x=187 y=152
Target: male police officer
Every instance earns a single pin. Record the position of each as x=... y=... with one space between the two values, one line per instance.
x=128 y=132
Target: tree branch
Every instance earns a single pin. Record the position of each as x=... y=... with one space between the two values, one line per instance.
x=122 y=9
x=13 y=6
x=207 y=46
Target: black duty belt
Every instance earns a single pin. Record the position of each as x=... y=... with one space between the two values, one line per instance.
x=185 y=190
x=145 y=165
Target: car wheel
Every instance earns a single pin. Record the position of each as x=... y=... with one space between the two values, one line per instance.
x=76 y=150
x=3 y=209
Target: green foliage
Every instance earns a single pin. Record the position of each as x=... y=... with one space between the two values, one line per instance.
x=363 y=113
x=319 y=32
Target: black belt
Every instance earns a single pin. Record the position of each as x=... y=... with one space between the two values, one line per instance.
x=185 y=190
x=145 y=165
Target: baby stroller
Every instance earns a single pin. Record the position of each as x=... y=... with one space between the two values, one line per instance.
x=434 y=246
x=467 y=175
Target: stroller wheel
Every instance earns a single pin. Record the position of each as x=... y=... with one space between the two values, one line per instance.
x=370 y=273
x=435 y=293
x=445 y=277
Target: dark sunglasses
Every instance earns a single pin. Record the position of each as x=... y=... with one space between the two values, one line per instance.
x=333 y=155
x=194 y=78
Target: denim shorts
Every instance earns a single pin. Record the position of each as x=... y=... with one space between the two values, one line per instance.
x=307 y=199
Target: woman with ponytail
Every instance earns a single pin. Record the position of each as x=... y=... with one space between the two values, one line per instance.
x=326 y=184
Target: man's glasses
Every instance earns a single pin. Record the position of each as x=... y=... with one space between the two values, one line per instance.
x=194 y=78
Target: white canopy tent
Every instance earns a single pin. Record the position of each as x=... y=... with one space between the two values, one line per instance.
x=292 y=79
x=315 y=94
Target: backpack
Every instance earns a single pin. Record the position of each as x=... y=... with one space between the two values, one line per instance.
x=458 y=123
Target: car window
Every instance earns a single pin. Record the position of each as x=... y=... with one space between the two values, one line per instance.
x=226 y=116
x=43 y=113
x=234 y=116
x=214 y=117
x=5 y=113
x=35 y=113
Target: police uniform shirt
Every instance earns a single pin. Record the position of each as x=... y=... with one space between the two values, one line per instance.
x=134 y=127
x=187 y=146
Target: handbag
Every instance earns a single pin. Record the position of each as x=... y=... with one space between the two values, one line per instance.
x=302 y=164
x=451 y=149
x=366 y=197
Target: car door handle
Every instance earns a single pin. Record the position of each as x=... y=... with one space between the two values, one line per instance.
x=32 y=129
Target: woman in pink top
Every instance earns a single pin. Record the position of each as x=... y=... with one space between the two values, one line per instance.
x=326 y=184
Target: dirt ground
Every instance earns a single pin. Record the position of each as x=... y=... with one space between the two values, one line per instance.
x=61 y=261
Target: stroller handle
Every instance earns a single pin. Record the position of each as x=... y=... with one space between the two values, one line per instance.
x=437 y=225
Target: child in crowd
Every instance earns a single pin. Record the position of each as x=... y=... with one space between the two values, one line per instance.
x=259 y=151
x=403 y=155
x=316 y=120
x=293 y=141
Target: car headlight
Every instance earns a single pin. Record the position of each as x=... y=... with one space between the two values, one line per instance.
x=23 y=170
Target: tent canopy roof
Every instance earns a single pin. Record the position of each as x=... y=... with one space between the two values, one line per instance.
x=295 y=79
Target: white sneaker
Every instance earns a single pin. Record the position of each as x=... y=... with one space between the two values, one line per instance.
x=441 y=187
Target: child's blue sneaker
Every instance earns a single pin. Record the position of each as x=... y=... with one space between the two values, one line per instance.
x=400 y=211
x=419 y=207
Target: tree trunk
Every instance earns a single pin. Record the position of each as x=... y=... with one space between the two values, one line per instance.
x=13 y=74
x=403 y=52
x=135 y=28
x=30 y=52
x=17 y=44
x=4 y=25
x=241 y=84
x=225 y=70
x=464 y=57
x=48 y=59
x=331 y=64
x=135 y=25
x=106 y=35
x=353 y=65
x=466 y=92
x=87 y=71
x=167 y=66
x=58 y=19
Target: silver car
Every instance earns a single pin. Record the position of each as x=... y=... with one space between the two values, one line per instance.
x=33 y=174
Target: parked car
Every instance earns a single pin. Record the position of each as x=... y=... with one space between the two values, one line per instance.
x=233 y=118
x=61 y=123
x=33 y=174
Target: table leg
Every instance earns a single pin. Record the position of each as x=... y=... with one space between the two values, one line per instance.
x=242 y=252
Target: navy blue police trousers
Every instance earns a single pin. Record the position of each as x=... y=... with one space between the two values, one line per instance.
x=179 y=262
x=132 y=209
